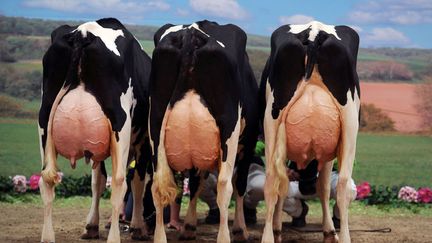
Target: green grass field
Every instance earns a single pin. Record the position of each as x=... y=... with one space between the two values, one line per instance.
x=387 y=159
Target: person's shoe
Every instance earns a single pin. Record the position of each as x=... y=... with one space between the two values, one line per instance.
x=300 y=221
x=336 y=222
x=250 y=215
x=213 y=216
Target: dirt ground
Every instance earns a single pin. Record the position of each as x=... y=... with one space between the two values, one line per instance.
x=397 y=100
x=23 y=223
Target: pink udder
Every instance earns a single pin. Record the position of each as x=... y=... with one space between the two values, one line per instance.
x=312 y=127
x=80 y=125
x=191 y=136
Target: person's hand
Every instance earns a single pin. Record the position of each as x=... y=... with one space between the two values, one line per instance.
x=293 y=175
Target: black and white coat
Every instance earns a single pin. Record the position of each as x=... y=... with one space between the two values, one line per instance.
x=105 y=58
x=301 y=56
x=211 y=60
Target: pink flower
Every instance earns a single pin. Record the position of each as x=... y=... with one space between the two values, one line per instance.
x=408 y=194
x=424 y=195
x=60 y=176
x=34 y=181
x=363 y=190
x=20 y=183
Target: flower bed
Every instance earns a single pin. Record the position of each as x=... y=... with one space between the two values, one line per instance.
x=374 y=195
x=71 y=186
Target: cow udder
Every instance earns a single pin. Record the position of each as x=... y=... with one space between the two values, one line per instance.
x=79 y=125
x=191 y=135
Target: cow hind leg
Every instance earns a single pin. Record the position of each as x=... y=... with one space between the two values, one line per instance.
x=346 y=155
x=190 y=224
x=119 y=155
x=239 y=231
x=138 y=229
x=323 y=187
x=98 y=186
x=164 y=188
x=47 y=194
x=276 y=188
x=224 y=184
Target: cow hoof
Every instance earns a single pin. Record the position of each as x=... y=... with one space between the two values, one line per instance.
x=138 y=234
x=239 y=236
x=92 y=232
x=189 y=233
x=330 y=237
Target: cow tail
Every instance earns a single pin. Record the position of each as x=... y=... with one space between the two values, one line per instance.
x=281 y=181
x=49 y=172
x=312 y=53
x=165 y=187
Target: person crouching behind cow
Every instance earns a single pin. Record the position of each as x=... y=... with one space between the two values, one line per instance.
x=302 y=187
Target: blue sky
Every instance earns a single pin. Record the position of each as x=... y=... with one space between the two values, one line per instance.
x=391 y=23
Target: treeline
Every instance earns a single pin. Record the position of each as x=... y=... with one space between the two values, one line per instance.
x=40 y=27
x=25 y=85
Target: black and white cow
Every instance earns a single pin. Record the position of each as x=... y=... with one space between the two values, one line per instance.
x=94 y=104
x=203 y=100
x=312 y=104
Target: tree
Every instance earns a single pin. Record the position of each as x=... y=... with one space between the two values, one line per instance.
x=372 y=119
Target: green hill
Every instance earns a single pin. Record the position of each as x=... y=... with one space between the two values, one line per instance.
x=23 y=42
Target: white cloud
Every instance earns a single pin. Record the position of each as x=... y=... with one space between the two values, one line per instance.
x=182 y=12
x=400 y=12
x=384 y=37
x=228 y=9
x=295 y=19
x=126 y=8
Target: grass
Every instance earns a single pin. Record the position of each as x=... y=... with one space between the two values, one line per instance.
x=148 y=46
x=382 y=159
x=19 y=150
x=394 y=159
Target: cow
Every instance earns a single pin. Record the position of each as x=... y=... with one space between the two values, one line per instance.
x=94 y=105
x=310 y=91
x=203 y=99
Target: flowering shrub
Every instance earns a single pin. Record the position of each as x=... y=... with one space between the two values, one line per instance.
x=424 y=195
x=363 y=190
x=34 y=181
x=70 y=186
x=408 y=194
x=20 y=183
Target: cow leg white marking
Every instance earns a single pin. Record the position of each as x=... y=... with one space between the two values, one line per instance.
x=137 y=221
x=41 y=133
x=98 y=186
x=119 y=154
x=323 y=187
x=346 y=155
x=189 y=233
x=280 y=156
x=239 y=220
x=47 y=194
x=224 y=184
x=164 y=188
